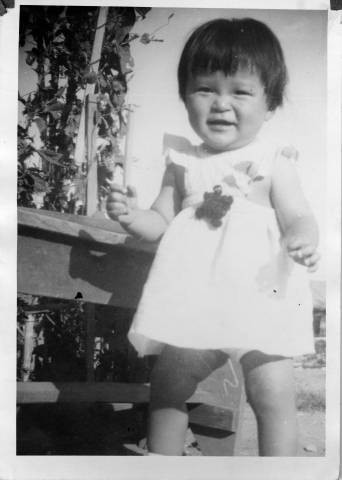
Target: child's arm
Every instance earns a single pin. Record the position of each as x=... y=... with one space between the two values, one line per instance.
x=299 y=227
x=147 y=224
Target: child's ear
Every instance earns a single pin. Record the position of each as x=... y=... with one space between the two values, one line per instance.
x=269 y=114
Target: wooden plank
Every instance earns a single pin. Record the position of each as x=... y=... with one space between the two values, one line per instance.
x=99 y=230
x=56 y=266
x=107 y=392
x=226 y=383
x=212 y=418
x=78 y=392
x=217 y=427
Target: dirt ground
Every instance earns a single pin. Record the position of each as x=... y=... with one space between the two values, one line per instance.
x=311 y=427
x=99 y=430
x=310 y=386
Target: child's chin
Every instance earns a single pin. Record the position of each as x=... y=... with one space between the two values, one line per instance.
x=221 y=146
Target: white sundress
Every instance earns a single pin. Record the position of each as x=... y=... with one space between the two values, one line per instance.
x=231 y=287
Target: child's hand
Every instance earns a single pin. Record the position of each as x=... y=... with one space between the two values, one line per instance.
x=121 y=203
x=302 y=251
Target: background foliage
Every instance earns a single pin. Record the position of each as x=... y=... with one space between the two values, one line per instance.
x=58 y=45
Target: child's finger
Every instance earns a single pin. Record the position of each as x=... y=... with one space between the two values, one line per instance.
x=117 y=197
x=308 y=251
x=295 y=253
x=294 y=243
x=313 y=268
x=131 y=191
x=115 y=187
x=312 y=259
x=116 y=210
x=302 y=252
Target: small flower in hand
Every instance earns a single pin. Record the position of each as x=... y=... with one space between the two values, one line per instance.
x=214 y=207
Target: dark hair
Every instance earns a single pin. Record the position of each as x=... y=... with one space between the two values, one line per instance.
x=231 y=44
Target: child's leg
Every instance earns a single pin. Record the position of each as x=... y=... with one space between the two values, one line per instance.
x=173 y=380
x=270 y=392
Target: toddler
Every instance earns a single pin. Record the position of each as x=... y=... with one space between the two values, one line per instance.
x=238 y=236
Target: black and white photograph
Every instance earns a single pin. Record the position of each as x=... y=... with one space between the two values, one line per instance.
x=171 y=240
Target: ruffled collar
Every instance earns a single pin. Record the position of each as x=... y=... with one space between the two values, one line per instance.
x=202 y=151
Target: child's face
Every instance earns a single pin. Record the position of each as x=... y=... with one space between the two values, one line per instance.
x=226 y=111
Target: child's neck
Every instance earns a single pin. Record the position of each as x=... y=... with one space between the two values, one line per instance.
x=212 y=151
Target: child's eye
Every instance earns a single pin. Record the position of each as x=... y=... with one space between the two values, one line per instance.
x=204 y=89
x=243 y=92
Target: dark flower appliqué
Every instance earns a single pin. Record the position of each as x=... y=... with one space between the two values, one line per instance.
x=214 y=206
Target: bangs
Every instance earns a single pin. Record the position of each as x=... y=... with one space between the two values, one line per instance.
x=227 y=53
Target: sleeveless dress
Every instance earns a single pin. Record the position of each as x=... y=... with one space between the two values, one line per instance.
x=231 y=287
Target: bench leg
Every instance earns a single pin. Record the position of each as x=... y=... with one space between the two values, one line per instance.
x=29 y=341
x=89 y=309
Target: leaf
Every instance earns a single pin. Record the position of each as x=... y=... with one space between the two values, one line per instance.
x=54 y=107
x=27 y=181
x=30 y=59
x=170 y=16
x=21 y=99
x=41 y=124
x=90 y=77
x=51 y=157
x=145 y=38
x=40 y=185
x=142 y=11
x=60 y=92
x=56 y=115
x=126 y=60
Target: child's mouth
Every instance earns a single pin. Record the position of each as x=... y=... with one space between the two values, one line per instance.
x=220 y=124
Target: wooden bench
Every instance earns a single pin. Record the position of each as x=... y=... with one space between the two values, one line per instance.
x=61 y=256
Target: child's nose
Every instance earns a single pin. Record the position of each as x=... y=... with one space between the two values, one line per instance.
x=222 y=103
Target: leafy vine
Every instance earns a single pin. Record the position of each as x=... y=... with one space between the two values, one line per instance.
x=58 y=45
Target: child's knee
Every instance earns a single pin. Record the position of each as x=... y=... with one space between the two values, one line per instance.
x=177 y=373
x=270 y=388
x=274 y=400
x=171 y=381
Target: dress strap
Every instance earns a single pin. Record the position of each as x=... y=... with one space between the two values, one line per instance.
x=176 y=158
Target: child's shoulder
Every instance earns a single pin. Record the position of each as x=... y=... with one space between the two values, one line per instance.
x=274 y=154
x=277 y=150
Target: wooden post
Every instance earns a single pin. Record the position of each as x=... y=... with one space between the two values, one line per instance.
x=90 y=141
x=80 y=148
x=128 y=147
x=29 y=338
x=89 y=311
x=85 y=150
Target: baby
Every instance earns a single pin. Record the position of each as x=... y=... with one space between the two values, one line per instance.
x=235 y=286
